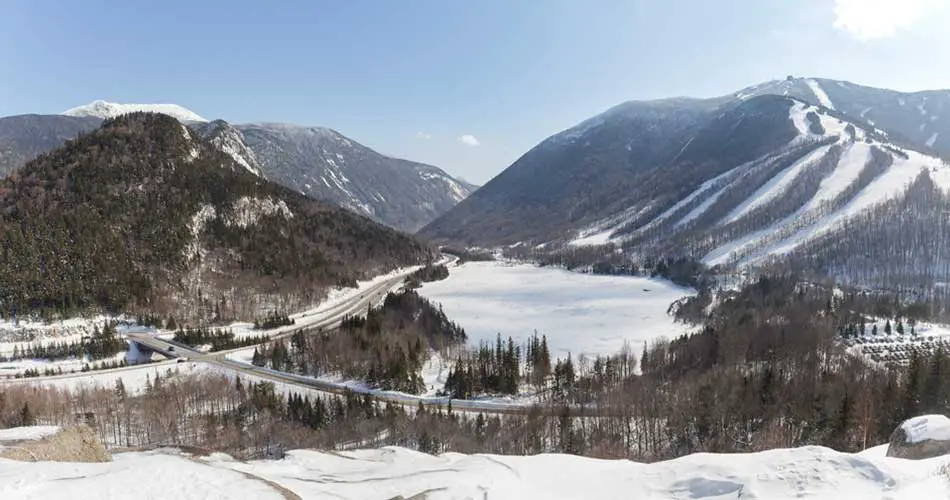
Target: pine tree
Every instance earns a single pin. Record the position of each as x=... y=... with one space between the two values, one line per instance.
x=887 y=328
x=26 y=416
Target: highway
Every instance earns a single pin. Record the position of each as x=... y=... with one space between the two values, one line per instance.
x=326 y=317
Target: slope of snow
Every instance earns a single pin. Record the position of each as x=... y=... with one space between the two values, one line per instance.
x=811 y=473
x=819 y=93
x=887 y=186
x=27 y=433
x=103 y=109
x=798 y=114
x=852 y=162
x=927 y=427
x=579 y=313
x=148 y=475
x=776 y=185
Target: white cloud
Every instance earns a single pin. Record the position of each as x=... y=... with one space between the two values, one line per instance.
x=872 y=19
x=469 y=140
x=424 y=136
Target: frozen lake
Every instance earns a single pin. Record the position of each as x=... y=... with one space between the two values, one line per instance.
x=579 y=313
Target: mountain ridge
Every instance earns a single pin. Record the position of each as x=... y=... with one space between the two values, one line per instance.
x=142 y=214
x=400 y=193
x=744 y=181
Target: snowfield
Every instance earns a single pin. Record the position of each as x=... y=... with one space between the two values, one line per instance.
x=579 y=313
x=804 y=473
x=34 y=433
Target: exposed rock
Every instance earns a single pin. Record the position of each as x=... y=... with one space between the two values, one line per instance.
x=921 y=437
x=73 y=444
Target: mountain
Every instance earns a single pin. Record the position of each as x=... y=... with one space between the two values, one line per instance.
x=143 y=215
x=25 y=137
x=230 y=140
x=318 y=162
x=326 y=165
x=923 y=117
x=748 y=180
x=103 y=109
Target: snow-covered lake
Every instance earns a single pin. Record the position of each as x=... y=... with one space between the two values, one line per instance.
x=579 y=313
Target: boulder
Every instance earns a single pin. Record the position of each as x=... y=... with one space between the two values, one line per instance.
x=72 y=444
x=921 y=437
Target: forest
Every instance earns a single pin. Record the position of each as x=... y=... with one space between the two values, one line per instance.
x=768 y=370
x=386 y=348
x=142 y=217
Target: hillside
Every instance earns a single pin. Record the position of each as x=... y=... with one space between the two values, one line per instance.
x=314 y=161
x=324 y=164
x=739 y=181
x=25 y=137
x=141 y=214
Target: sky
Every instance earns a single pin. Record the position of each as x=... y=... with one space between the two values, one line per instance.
x=466 y=86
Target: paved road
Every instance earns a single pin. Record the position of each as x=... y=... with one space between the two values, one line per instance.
x=327 y=318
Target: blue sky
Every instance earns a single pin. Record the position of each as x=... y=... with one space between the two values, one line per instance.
x=467 y=86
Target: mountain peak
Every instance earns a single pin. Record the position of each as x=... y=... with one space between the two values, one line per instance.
x=104 y=110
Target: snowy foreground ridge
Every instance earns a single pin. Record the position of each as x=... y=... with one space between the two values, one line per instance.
x=810 y=472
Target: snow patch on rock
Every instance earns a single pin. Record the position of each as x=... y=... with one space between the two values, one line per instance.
x=248 y=211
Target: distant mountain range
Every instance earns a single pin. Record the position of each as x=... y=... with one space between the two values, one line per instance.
x=820 y=174
x=142 y=214
x=318 y=162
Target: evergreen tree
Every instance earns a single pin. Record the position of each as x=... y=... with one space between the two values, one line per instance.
x=26 y=416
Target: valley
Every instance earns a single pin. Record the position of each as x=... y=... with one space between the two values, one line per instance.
x=686 y=274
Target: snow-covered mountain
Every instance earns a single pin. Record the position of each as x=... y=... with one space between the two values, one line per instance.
x=741 y=180
x=923 y=117
x=314 y=161
x=231 y=141
x=324 y=164
x=103 y=109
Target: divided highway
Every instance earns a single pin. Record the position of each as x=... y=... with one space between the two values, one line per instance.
x=321 y=318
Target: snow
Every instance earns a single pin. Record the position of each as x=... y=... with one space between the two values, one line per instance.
x=593 y=239
x=776 y=185
x=103 y=109
x=158 y=474
x=27 y=433
x=133 y=377
x=798 y=114
x=197 y=225
x=926 y=427
x=785 y=236
x=247 y=211
x=28 y=332
x=932 y=140
x=9 y=368
x=852 y=162
x=811 y=473
x=819 y=93
x=231 y=143
x=601 y=232
x=579 y=313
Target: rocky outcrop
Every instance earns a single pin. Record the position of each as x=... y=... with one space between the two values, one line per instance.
x=73 y=444
x=922 y=437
